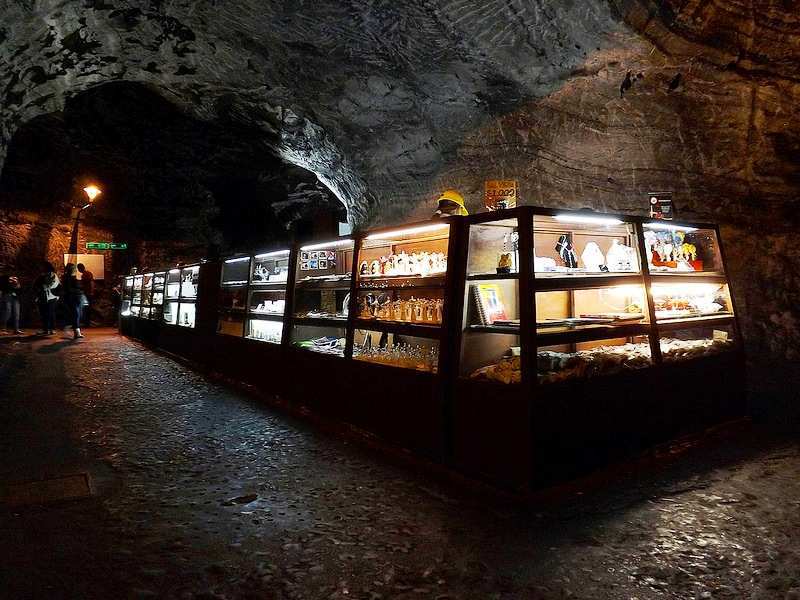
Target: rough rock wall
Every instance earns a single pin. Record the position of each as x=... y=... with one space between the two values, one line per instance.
x=587 y=103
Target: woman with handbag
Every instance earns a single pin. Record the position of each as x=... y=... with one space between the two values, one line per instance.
x=73 y=299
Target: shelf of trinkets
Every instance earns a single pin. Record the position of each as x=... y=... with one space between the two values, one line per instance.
x=416 y=264
x=269 y=307
x=401 y=355
x=681 y=249
x=401 y=310
x=265 y=331
x=690 y=300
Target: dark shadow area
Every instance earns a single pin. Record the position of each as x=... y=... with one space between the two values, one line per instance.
x=165 y=175
x=56 y=347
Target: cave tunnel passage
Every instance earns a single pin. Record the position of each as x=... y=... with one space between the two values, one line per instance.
x=167 y=177
x=175 y=188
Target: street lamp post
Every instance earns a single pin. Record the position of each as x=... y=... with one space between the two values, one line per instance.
x=92 y=192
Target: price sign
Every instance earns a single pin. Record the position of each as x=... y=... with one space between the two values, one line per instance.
x=500 y=194
x=661 y=206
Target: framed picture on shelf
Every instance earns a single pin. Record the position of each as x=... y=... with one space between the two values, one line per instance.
x=304 y=256
x=304 y=265
x=323 y=263
x=313 y=263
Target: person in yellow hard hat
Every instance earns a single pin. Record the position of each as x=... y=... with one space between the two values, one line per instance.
x=451 y=203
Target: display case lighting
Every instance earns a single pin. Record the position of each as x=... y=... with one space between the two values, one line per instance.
x=667 y=227
x=409 y=231
x=230 y=261
x=567 y=218
x=174 y=270
x=696 y=287
x=325 y=246
x=276 y=253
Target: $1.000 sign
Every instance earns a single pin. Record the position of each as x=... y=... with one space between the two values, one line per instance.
x=500 y=194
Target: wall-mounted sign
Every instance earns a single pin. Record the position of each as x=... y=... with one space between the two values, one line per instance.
x=661 y=206
x=500 y=194
x=106 y=245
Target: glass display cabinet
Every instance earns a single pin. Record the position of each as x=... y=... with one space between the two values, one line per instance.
x=597 y=306
x=510 y=344
x=691 y=298
x=127 y=297
x=267 y=296
x=490 y=341
x=400 y=289
x=233 y=296
x=137 y=290
x=187 y=302
x=157 y=298
x=590 y=299
x=173 y=293
x=143 y=295
x=321 y=301
x=253 y=296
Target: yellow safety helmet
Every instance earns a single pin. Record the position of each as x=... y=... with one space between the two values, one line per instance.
x=451 y=203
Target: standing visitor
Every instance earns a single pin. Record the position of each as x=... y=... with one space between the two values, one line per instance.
x=73 y=299
x=46 y=298
x=9 y=290
x=87 y=284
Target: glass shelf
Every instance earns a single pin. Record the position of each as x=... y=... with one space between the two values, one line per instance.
x=398 y=350
x=262 y=330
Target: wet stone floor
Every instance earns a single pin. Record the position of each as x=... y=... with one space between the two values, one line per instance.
x=202 y=492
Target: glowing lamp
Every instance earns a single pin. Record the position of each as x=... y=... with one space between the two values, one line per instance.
x=92 y=192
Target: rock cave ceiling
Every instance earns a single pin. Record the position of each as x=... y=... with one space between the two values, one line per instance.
x=587 y=103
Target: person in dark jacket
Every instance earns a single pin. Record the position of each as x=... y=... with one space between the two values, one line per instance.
x=73 y=299
x=9 y=291
x=87 y=285
x=46 y=298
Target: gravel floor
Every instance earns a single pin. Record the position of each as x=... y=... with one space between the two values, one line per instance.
x=201 y=492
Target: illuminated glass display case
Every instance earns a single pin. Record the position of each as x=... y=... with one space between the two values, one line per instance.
x=495 y=337
x=187 y=302
x=606 y=295
x=158 y=296
x=401 y=278
x=321 y=301
x=253 y=296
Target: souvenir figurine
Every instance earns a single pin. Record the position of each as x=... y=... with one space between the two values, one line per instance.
x=401 y=263
x=543 y=264
x=363 y=268
x=592 y=257
x=566 y=251
x=375 y=268
x=504 y=262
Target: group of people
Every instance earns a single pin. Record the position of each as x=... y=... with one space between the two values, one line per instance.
x=48 y=289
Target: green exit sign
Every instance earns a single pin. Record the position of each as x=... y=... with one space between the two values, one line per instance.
x=106 y=246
